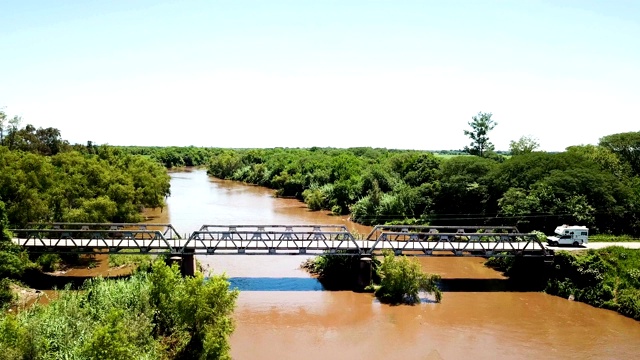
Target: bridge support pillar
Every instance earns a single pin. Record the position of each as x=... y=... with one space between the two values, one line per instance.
x=188 y=266
x=365 y=274
x=186 y=263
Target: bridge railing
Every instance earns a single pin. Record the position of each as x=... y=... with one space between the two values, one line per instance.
x=168 y=231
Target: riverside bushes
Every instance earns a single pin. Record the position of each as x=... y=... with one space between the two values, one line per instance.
x=608 y=278
x=335 y=272
x=397 y=279
x=586 y=185
x=152 y=315
x=402 y=279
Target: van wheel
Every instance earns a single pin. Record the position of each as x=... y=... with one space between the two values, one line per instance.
x=575 y=243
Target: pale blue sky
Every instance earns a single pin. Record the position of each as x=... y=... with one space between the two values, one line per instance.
x=395 y=74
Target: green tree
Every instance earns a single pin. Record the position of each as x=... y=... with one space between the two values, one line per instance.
x=3 y=120
x=480 y=124
x=525 y=144
x=626 y=146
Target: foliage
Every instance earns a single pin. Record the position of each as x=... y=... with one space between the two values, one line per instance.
x=612 y=238
x=13 y=259
x=172 y=156
x=480 y=145
x=524 y=145
x=534 y=190
x=129 y=257
x=607 y=278
x=49 y=262
x=334 y=271
x=402 y=279
x=105 y=187
x=626 y=146
x=154 y=315
x=6 y=295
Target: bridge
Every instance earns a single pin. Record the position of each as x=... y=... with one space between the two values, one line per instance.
x=114 y=238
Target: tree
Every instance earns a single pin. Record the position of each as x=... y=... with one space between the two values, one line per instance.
x=626 y=146
x=3 y=120
x=480 y=127
x=14 y=123
x=525 y=144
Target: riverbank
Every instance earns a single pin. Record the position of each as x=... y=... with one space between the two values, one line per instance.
x=607 y=278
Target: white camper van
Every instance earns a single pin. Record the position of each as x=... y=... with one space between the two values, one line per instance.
x=569 y=235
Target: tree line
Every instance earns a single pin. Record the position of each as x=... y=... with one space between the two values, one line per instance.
x=594 y=185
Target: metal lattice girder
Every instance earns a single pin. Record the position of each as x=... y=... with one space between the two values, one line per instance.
x=457 y=240
x=168 y=231
x=84 y=240
x=271 y=239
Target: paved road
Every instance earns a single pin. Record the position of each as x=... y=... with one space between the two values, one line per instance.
x=598 y=245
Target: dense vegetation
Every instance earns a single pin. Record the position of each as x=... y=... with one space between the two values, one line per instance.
x=13 y=260
x=44 y=179
x=79 y=187
x=173 y=156
x=607 y=278
x=587 y=185
x=152 y=315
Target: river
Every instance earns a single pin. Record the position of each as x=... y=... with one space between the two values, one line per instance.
x=283 y=313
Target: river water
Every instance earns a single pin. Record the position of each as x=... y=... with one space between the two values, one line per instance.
x=283 y=313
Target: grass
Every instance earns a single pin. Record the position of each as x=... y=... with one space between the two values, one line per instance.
x=612 y=238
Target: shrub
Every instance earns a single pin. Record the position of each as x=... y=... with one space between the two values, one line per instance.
x=401 y=280
x=49 y=262
x=152 y=315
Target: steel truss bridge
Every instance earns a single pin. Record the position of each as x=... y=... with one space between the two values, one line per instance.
x=114 y=238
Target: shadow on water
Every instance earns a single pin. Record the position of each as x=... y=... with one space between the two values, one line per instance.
x=275 y=284
x=488 y=285
x=43 y=281
x=446 y=285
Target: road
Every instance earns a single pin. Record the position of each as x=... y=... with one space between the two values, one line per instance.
x=598 y=245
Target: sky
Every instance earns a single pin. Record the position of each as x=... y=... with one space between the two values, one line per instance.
x=300 y=73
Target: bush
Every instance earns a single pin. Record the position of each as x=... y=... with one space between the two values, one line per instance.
x=49 y=262
x=152 y=315
x=335 y=272
x=6 y=296
x=402 y=279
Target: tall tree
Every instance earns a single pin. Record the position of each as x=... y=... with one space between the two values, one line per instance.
x=480 y=124
x=14 y=124
x=626 y=146
x=3 y=120
x=525 y=144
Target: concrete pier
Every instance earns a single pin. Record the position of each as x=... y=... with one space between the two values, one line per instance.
x=188 y=266
x=186 y=263
x=365 y=273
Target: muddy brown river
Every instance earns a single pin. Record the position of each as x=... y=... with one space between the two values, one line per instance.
x=283 y=313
